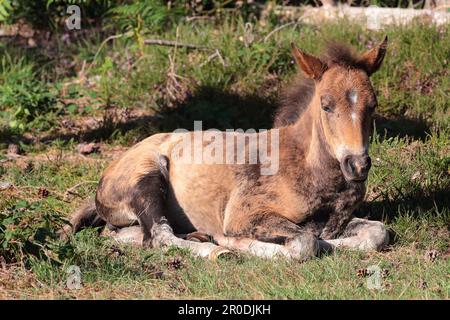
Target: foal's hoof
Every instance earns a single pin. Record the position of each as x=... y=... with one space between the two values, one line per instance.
x=198 y=237
x=303 y=247
x=376 y=238
x=220 y=253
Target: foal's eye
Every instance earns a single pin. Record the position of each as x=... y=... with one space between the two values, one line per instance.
x=327 y=109
x=327 y=103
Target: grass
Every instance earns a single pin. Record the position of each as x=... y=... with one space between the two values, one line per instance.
x=124 y=93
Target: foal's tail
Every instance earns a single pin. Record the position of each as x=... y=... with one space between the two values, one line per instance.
x=85 y=216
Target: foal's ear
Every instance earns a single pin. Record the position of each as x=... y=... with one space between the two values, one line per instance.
x=373 y=58
x=311 y=66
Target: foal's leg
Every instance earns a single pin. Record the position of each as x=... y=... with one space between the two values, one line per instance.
x=137 y=196
x=269 y=235
x=130 y=235
x=144 y=200
x=163 y=236
x=156 y=229
x=359 y=234
x=255 y=247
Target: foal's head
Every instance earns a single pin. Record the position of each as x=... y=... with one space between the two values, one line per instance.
x=345 y=100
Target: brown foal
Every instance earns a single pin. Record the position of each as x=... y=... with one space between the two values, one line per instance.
x=149 y=195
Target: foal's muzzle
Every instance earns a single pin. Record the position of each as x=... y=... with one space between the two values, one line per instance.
x=356 y=168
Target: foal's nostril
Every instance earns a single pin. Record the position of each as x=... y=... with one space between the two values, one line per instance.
x=356 y=167
x=349 y=165
x=364 y=163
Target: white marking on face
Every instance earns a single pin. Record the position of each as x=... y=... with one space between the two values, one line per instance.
x=353 y=96
x=342 y=150
x=354 y=116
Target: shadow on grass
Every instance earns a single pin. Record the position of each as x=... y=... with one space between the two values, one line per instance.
x=433 y=202
x=220 y=110
x=214 y=107
x=401 y=127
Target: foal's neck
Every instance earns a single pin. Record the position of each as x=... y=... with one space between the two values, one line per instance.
x=307 y=134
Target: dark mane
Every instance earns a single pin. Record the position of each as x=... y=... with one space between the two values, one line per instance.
x=296 y=97
x=343 y=55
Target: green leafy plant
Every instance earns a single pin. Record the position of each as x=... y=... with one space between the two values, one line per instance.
x=49 y=13
x=22 y=94
x=23 y=233
x=105 y=80
x=5 y=10
x=152 y=14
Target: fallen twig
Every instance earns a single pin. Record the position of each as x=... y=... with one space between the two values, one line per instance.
x=170 y=43
x=72 y=189
x=216 y=54
x=116 y=36
x=279 y=28
x=196 y=18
